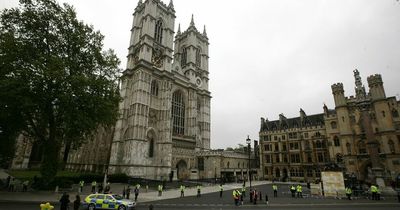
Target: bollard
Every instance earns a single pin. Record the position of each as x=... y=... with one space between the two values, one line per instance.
x=151 y=207
x=46 y=206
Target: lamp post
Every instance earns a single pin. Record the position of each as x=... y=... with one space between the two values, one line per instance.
x=248 y=141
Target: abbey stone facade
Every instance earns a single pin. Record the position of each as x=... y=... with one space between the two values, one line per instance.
x=165 y=112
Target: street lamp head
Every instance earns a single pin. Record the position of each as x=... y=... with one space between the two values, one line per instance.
x=248 y=140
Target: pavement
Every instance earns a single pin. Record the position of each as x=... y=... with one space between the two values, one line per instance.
x=209 y=195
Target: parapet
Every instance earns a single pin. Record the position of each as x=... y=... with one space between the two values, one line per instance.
x=337 y=88
x=374 y=80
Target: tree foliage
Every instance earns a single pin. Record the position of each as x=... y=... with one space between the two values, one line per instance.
x=55 y=77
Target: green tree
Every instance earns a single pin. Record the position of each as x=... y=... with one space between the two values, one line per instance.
x=55 y=77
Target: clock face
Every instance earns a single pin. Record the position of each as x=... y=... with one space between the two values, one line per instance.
x=198 y=82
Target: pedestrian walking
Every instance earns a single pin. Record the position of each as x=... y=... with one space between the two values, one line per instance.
x=198 y=190
x=136 y=192
x=182 y=188
x=64 y=201
x=378 y=194
x=244 y=191
x=266 y=198
x=221 y=190
x=260 y=195
x=94 y=183
x=255 y=196
x=275 y=188
x=77 y=202
x=160 y=189
x=128 y=192
x=251 y=193
x=25 y=185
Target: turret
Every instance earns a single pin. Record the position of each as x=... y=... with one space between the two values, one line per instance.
x=375 y=85
x=152 y=35
x=338 y=94
x=191 y=54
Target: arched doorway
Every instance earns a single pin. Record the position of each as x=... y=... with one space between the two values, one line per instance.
x=182 y=170
x=285 y=175
x=277 y=173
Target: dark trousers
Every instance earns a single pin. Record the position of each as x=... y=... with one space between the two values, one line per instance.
x=275 y=193
x=136 y=195
x=348 y=196
x=373 y=195
x=93 y=189
x=198 y=193
x=182 y=194
x=293 y=193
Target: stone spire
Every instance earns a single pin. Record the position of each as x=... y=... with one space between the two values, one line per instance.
x=192 y=21
x=204 y=31
x=179 y=30
x=360 y=89
x=171 y=4
x=140 y=2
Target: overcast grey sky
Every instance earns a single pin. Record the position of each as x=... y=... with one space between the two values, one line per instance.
x=271 y=56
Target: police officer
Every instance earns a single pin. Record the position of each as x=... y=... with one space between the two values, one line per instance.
x=198 y=190
x=293 y=191
x=182 y=188
x=160 y=189
x=373 y=190
x=243 y=191
x=221 y=190
x=348 y=192
x=275 y=188
x=94 y=183
x=299 y=191
x=81 y=183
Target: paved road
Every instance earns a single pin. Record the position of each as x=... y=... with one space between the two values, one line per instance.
x=386 y=206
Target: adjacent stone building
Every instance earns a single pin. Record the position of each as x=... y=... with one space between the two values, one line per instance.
x=293 y=149
x=165 y=112
x=361 y=136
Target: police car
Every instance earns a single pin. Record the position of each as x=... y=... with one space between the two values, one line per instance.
x=107 y=201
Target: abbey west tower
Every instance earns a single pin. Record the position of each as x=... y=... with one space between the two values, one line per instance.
x=165 y=112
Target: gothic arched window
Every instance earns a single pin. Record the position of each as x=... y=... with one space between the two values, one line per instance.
x=395 y=113
x=348 y=147
x=336 y=141
x=154 y=88
x=362 y=149
x=198 y=57
x=178 y=113
x=318 y=144
x=391 y=146
x=151 y=148
x=158 y=31
x=184 y=57
x=333 y=125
